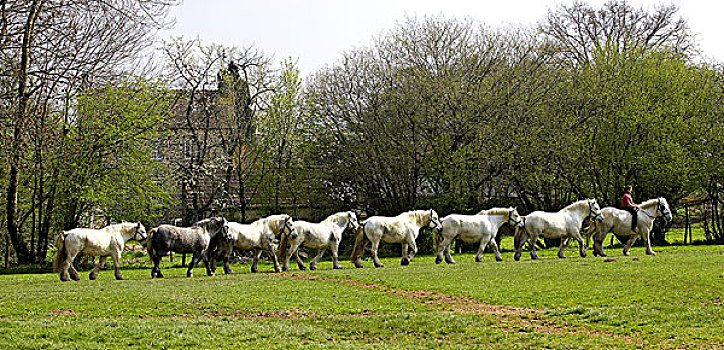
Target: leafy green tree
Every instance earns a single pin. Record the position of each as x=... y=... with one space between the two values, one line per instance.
x=109 y=160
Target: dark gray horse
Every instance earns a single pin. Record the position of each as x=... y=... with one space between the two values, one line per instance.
x=195 y=240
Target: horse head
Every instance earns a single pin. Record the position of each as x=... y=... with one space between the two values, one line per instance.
x=595 y=210
x=214 y=226
x=434 y=220
x=140 y=234
x=352 y=221
x=515 y=220
x=663 y=208
x=287 y=227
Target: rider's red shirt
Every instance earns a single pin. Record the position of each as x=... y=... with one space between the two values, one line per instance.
x=627 y=201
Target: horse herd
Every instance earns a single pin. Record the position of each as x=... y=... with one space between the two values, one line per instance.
x=216 y=237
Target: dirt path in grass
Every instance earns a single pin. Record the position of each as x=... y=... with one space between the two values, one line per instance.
x=510 y=319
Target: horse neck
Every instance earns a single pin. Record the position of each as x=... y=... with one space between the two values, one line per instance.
x=419 y=217
x=498 y=220
x=650 y=207
x=497 y=216
x=337 y=220
x=579 y=209
x=126 y=231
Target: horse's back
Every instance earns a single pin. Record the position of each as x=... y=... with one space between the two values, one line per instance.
x=545 y=222
x=90 y=241
x=469 y=228
x=314 y=235
x=179 y=239
x=246 y=236
x=389 y=229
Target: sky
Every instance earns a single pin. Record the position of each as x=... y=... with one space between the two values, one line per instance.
x=315 y=33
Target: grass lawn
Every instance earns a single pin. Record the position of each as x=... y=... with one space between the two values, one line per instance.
x=672 y=300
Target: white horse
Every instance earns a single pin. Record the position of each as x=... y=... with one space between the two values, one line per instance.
x=480 y=228
x=319 y=236
x=108 y=241
x=564 y=224
x=258 y=236
x=403 y=228
x=619 y=222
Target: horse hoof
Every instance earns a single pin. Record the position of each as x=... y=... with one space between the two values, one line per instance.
x=650 y=253
x=602 y=255
x=338 y=267
x=478 y=259
x=451 y=262
x=358 y=265
x=119 y=278
x=438 y=260
x=254 y=270
x=583 y=254
x=516 y=257
x=92 y=277
x=312 y=267
x=229 y=272
x=561 y=257
x=405 y=262
x=535 y=257
x=595 y=253
x=286 y=269
x=66 y=279
x=379 y=265
x=498 y=259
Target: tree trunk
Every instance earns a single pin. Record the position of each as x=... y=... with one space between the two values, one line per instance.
x=23 y=96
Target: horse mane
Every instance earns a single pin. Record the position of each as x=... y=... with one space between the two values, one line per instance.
x=576 y=204
x=496 y=211
x=651 y=202
x=417 y=215
x=336 y=217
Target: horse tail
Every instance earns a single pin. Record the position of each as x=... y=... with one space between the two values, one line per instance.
x=591 y=229
x=436 y=236
x=149 y=242
x=62 y=252
x=282 y=251
x=359 y=243
x=517 y=237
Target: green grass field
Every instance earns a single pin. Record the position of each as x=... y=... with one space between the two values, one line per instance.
x=672 y=300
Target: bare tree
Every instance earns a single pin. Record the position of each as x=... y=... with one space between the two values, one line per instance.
x=578 y=30
x=50 y=49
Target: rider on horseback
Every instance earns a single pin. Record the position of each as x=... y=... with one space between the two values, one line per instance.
x=628 y=205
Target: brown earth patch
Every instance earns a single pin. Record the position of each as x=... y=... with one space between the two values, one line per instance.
x=62 y=312
x=510 y=319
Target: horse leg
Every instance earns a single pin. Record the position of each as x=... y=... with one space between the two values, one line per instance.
x=116 y=256
x=194 y=260
x=270 y=250
x=564 y=243
x=628 y=245
x=581 y=245
x=375 y=258
x=313 y=264
x=227 y=264
x=413 y=248
x=405 y=260
x=257 y=255
x=69 y=268
x=97 y=269
x=205 y=259
x=448 y=257
x=496 y=249
x=481 y=249
x=293 y=250
x=335 y=256
x=300 y=262
x=533 y=253
x=646 y=235
x=156 y=271
x=440 y=247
